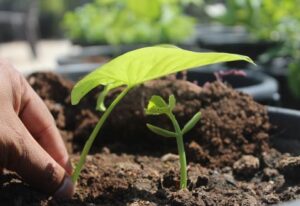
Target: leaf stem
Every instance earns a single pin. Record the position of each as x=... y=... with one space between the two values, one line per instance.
x=181 y=152
x=93 y=135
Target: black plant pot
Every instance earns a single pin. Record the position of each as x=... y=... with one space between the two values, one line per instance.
x=262 y=87
x=231 y=39
x=285 y=136
x=278 y=69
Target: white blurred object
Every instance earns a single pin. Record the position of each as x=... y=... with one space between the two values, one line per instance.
x=19 y=54
x=215 y=10
x=291 y=203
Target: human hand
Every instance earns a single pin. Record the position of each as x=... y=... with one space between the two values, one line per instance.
x=30 y=143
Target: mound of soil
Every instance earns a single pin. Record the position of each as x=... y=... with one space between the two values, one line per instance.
x=231 y=160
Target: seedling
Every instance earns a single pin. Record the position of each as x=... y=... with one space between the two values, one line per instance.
x=157 y=106
x=132 y=69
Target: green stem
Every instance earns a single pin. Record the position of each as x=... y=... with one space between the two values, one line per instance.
x=181 y=152
x=93 y=135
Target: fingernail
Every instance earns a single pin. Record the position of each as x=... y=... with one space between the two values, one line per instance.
x=66 y=190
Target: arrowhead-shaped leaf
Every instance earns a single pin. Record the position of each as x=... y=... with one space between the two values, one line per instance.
x=138 y=66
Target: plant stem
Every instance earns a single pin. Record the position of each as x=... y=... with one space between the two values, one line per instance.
x=181 y=152
x=93 y=135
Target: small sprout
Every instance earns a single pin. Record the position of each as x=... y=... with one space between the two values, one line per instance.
x=134 y=68
x=157 y=106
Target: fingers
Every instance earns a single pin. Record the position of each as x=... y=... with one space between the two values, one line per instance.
x=35 y=165
x=38 y=120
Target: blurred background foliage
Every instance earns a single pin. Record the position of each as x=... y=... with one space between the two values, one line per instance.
x=130 y=21
x=265 y=19
x=169 y=21
x=270 y=20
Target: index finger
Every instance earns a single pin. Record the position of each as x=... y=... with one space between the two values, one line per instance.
x=40 y=123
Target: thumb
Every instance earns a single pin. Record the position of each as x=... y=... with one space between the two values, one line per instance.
x=35 y=165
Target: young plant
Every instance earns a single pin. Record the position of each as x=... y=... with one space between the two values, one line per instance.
x=157 y=106
x=134 y=68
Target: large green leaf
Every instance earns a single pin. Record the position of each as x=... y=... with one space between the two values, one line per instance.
x=138 y=66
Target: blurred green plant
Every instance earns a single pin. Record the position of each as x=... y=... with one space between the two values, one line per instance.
x=271 y=20
x=129 y=21
x=294 y=67
x=54 y=6
x=265 y=19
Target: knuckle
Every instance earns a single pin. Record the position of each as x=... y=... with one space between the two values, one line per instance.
x=9 y=69
x=18 y=89
x=5 y=64
x=12 y=84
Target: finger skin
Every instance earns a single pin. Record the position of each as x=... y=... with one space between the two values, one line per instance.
x=40 y=123
x=32 y=162
x=31 y=157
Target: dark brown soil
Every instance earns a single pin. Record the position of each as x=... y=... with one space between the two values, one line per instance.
x=231 y=161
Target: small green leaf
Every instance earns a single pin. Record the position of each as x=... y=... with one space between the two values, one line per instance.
x=172 y=102
x=158 y=101
x=160 y=131
x=157 y=106
x=141 y=65
x=100 y=100
x=190 y=124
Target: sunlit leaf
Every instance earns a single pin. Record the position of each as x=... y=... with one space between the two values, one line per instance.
x=157 y=106
x=138 y=66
